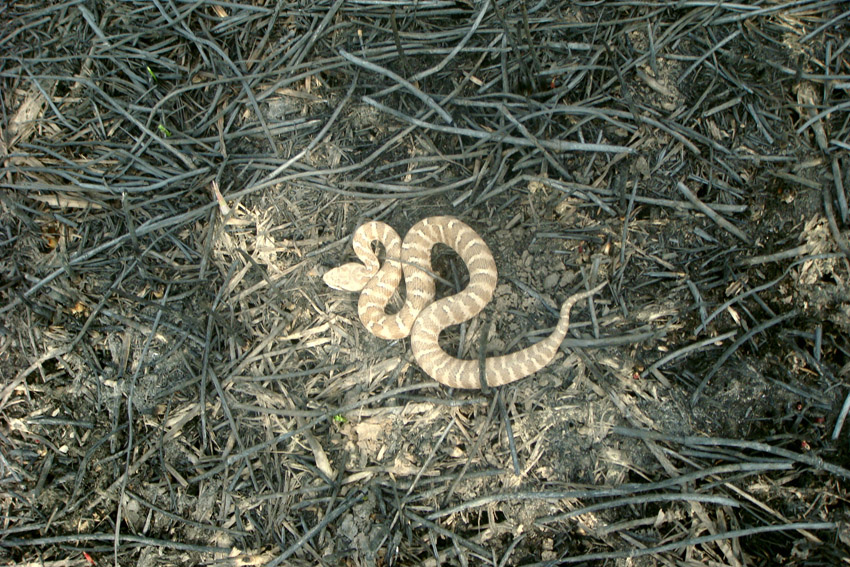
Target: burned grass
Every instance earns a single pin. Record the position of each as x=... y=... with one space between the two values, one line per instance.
x=177 y=385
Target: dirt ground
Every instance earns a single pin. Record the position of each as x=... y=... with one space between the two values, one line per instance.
x=178 y=386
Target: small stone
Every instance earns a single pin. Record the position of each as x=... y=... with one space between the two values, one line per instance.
x=551 y=281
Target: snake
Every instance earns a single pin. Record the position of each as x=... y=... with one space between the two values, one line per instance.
x=421 y=316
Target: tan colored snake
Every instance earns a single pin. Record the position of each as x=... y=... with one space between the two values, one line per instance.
x=423 y=318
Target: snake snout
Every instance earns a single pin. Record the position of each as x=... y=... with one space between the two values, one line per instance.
x=348 y=277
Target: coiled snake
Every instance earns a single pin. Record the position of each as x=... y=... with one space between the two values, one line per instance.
x=423 y=318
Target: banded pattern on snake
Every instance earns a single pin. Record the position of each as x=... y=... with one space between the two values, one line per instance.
x=423 y=318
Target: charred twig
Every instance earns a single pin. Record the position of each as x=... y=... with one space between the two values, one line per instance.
x=707 y=211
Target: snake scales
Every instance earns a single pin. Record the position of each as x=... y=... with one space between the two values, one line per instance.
x=423 y=318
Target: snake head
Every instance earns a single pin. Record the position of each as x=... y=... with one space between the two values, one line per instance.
x=348 y=277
